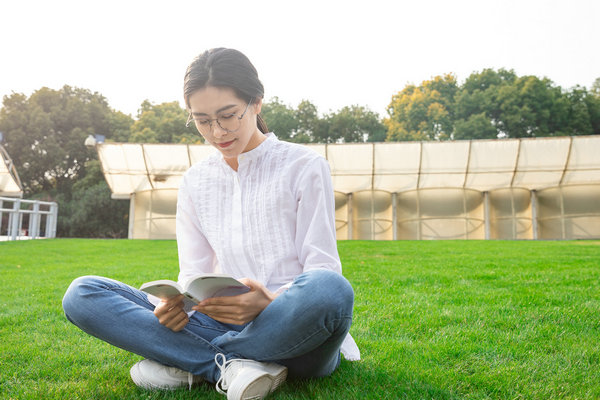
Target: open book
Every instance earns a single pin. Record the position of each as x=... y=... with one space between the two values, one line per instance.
x=196 y=288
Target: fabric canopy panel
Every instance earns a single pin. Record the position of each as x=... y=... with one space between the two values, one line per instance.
x=440 y=213
x=569 y=212
x=510 y=214
x=9 y=179
x=153 y=214
x=131 y=168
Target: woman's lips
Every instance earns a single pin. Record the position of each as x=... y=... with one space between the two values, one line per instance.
x=225 y=144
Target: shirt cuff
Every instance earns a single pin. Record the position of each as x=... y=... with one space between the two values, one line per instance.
x=283 y=288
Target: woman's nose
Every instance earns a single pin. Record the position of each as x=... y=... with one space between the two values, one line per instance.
x=217 y=131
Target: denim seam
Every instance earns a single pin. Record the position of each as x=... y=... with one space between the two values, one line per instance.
x=212 y=328
x=298 y=344
x=135 y=293
x=202 y=340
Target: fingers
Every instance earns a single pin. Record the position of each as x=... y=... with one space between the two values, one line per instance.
x=249 y=282
x=170 y=313
x=228 y=309
x=238 y=309
x=167 y=304
x=230 y=318
x=230 y=321
x=178 y=322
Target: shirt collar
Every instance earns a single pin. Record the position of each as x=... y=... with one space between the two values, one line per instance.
x=257 y=152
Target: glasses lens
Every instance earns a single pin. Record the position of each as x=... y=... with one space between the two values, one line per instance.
x=229 y=122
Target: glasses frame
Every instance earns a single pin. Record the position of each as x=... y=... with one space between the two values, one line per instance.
x=210 y=121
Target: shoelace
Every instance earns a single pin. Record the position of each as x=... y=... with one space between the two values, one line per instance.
x=222 y=383
x=190 y=380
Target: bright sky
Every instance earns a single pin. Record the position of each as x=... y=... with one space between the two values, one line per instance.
x=333 y=53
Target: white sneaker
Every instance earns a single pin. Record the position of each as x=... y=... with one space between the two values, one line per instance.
x=247 y=379
x=149 y=374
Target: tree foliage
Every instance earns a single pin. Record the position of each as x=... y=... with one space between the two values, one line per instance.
x=491 y=104
x=425 y=112
x=351 y=125
x=45 y=134
x=280 y=118
x=90 y=211
x=304 y=125
x=163 y=123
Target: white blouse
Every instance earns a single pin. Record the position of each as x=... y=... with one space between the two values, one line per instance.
x=270 y=221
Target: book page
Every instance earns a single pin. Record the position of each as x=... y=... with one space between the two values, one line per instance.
x=204 y=287
x=165 y=289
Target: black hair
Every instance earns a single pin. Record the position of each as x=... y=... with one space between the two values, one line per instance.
x=224 y=68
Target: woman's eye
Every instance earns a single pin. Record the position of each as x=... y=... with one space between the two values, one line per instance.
x=203 y=121
x=227 y=116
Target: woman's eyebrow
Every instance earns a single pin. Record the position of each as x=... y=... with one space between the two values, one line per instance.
x=220 y=110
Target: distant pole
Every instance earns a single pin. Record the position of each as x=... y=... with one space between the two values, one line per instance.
x=350 y=222
x=1 y=206
x=14 y=221
x=534 y=221
x=394 y=216
x=486 y=214
x=51 y=220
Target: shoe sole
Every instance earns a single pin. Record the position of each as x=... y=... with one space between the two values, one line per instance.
x=137 y=378
x=261 y=383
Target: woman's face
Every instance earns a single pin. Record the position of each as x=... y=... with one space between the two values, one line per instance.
x=210 y=103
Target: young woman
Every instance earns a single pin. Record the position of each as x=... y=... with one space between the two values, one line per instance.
x=261 y=210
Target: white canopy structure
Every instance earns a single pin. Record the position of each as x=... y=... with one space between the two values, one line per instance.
x=544 y=188
x=10 y=185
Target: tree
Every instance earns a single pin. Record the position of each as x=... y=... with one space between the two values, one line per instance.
x=353 y=124
x=304 y=125
x=121 y=126
x=163 y=123
x=579 y=113
x=532 y=107
x=593 y=105
x=477 y=126
x=477 y=101
x=280 y=118
x=500 y=104
x=423 y=112
x=45 y=134
x=308 y=120
x=90 y=211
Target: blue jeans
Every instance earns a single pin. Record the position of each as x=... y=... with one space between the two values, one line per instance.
x=303 y=328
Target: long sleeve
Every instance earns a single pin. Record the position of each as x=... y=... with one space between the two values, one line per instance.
x=315 y=225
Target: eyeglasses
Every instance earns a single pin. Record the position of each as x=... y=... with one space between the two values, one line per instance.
x=229 y=122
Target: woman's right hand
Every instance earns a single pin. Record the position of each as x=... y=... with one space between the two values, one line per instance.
x=170 y=313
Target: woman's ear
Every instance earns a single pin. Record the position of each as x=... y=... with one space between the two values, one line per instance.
x=257 y=106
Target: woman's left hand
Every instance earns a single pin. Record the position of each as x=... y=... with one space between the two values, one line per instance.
x=240 y=309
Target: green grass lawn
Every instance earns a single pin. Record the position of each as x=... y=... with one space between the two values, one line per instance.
x=433 y=319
